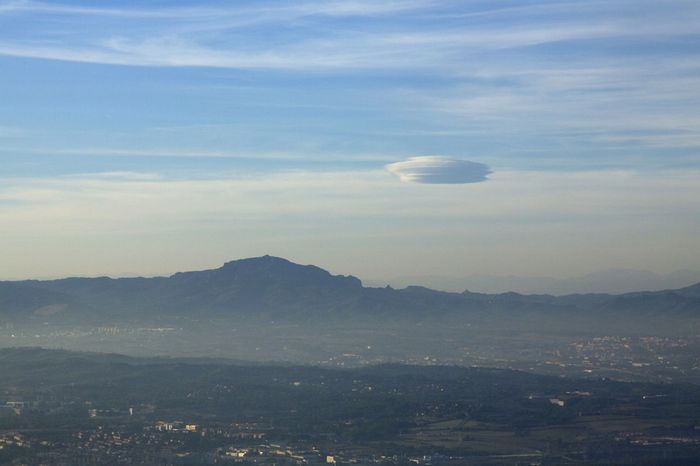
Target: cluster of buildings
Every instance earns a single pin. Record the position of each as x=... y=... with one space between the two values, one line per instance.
x=13 y=439
x=175 y=443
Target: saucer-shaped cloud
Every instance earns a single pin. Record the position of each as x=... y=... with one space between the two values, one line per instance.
x=439 y=170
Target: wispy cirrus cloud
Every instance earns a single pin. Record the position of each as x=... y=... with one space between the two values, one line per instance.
x=492 y=68
x=310 y=35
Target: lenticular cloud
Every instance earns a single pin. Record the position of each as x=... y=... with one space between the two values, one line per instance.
x=439 y=170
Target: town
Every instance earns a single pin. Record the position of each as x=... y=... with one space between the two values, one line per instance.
x=657 y=358
x=70 y=408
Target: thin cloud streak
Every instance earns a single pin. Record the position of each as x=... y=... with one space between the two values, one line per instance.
x=203 y=153
x=370 y=51
x=299 y=9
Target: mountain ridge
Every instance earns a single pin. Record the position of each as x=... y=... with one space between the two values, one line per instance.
x=275 y=288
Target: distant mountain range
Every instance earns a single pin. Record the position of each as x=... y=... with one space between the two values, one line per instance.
x=613 y=281
x=273 y=288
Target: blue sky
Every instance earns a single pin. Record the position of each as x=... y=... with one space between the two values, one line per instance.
x=174 y=135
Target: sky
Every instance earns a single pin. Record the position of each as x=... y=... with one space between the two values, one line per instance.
x=375 y=138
